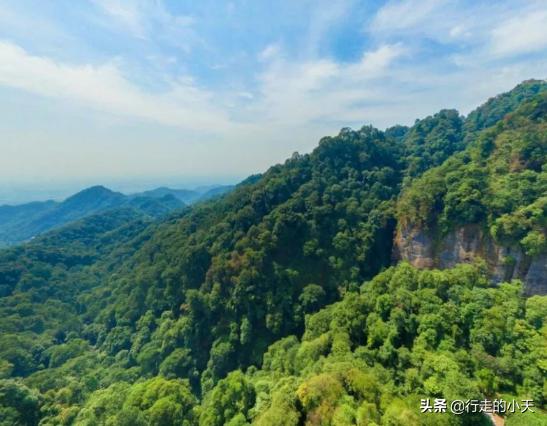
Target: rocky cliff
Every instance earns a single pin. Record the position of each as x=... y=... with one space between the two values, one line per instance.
x=465 y=244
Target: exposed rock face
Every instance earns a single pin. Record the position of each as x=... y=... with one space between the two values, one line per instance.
x=465 y=244
x=536 y=276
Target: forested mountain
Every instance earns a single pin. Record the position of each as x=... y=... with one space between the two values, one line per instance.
x=22 y=222
x=490 y=199
x=276 y=304
x=188 y=196
x=26 y=221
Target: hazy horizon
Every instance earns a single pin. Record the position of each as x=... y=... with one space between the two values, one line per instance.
x=25 y=192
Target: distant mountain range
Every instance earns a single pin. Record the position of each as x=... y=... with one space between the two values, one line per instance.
x=21 y=223
x=188 y=196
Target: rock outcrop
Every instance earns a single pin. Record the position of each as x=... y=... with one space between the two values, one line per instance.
x=465 y=244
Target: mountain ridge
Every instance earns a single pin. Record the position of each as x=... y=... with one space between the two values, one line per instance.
x=495 y=210
x=20 y=223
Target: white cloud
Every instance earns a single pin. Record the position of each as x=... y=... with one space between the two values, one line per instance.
x=484 y=30
x=300 y=93
x=321 y=18
x=125 y=12
x=149 y=19
x=290 y=93
x=104 y=87
x=522 y=33
x=375 y=61
x=269 y=52
x=405 y=14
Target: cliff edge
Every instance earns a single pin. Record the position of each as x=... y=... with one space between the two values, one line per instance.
x=467 y=244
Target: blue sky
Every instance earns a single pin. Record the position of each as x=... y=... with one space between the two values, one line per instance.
x=161 y=91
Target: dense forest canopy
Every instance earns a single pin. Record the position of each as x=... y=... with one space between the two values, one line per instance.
x=276 y=303
x=500 y=180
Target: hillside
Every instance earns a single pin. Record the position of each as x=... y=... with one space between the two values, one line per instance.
x=489 y=201
x=188 y=196
x=23 y=222
x=404 y=336
x=251 y=308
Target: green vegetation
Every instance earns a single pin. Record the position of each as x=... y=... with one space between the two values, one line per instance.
x=406 y=335
x=498 y=107
x=499 y=181
x=26 y=221
x=251 y=308
x=432 y=140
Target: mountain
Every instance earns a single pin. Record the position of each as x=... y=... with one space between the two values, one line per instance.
x=155 y=207
x=23 y=222
x=188 y=196
x=488 y=201
x=13 y=218
x=277 y=303
x=496 y=108
x=215 y=191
